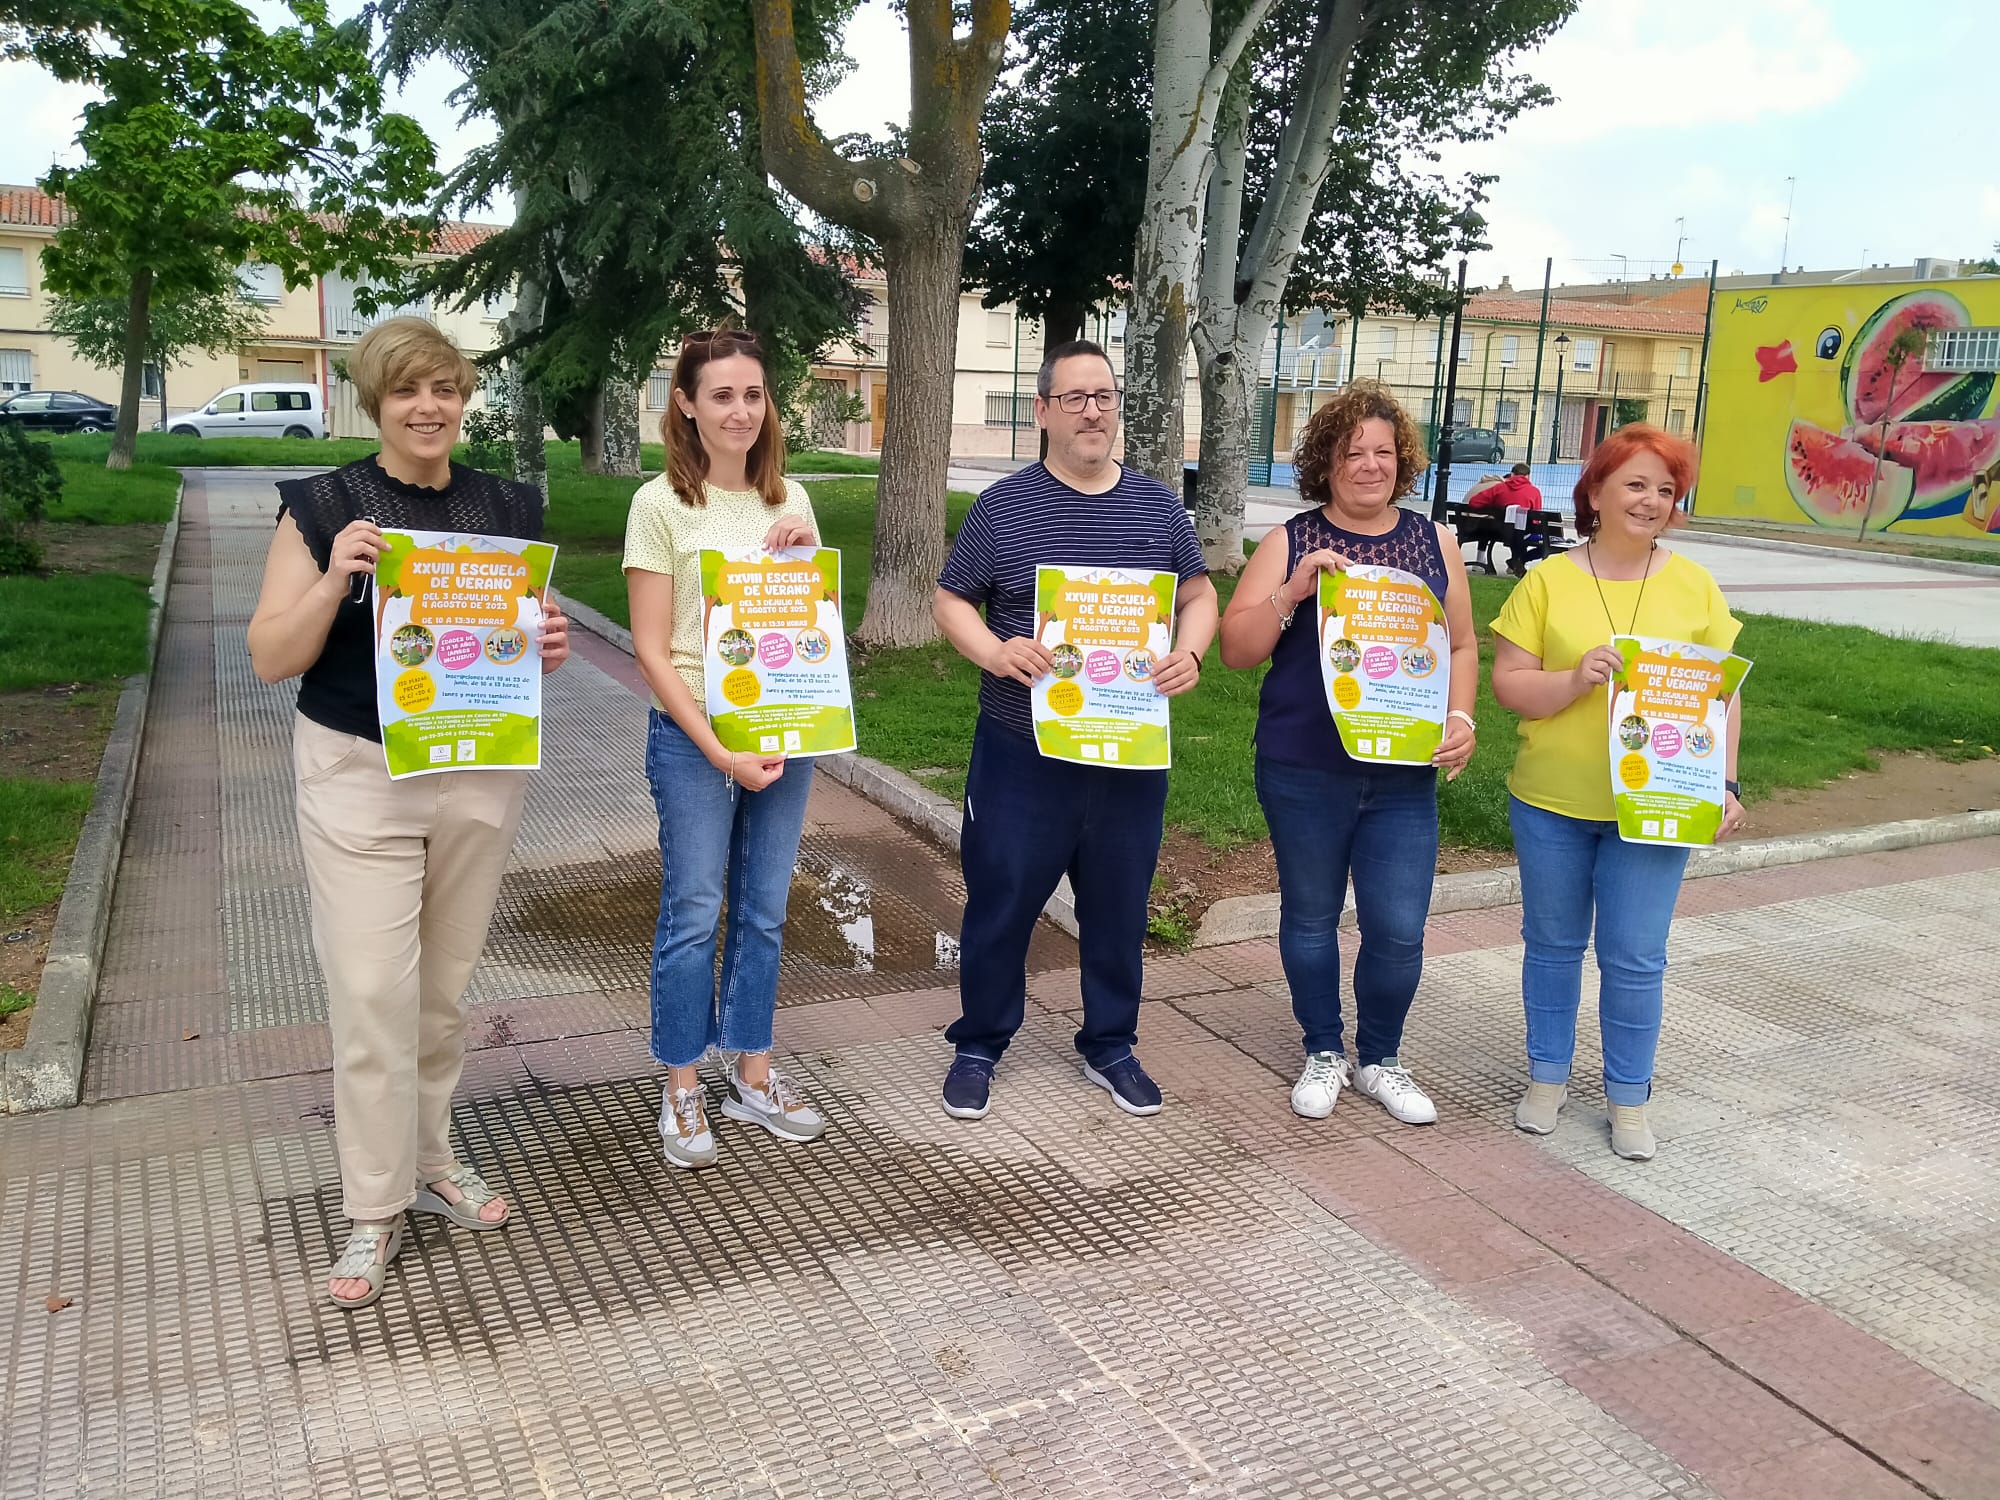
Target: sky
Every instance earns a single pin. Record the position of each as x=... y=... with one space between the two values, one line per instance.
x=1666 y=110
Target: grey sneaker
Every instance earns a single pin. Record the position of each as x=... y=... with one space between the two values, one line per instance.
x=1537 y=1111
x=684 y=1133
x=1631 y=1136
x=778 y=1106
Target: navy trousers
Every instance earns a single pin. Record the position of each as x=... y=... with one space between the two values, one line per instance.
x=1029 y=821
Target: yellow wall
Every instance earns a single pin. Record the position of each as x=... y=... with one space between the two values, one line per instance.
x=1807 y=335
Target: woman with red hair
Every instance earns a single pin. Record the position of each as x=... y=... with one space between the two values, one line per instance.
x=1552 y=665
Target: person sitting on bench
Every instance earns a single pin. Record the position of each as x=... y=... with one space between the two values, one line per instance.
x=1517 y=489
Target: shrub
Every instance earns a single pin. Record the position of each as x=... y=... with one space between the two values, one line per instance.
x=30 y=483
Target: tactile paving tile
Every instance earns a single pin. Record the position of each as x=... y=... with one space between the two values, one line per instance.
x=1821 y=1097
x=1071 y=1304
x=872 y=910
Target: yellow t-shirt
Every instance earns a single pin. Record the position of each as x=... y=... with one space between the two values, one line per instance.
x=1563 y=765
x=665 y=535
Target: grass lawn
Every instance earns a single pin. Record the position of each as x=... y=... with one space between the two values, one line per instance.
x=1806 y=723
x=565 y=459
x=67 y=638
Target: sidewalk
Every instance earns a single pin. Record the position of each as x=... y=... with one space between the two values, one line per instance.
x=1800 y=1297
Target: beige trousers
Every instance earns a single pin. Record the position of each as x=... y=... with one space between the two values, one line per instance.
x=403 y=876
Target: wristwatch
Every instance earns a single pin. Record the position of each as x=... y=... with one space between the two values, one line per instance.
x=1734 y=788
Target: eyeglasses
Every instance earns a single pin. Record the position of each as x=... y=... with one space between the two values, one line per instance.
x=1075 y=401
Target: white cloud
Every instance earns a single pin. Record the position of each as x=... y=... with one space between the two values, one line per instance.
x=1635 y=65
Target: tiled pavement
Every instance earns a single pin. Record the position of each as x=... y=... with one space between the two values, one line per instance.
x=1800 y=1297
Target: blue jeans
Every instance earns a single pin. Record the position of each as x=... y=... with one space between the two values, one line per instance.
x=1028 y=822
x=1570 y=869
x=1380 y=823
x=714 y=836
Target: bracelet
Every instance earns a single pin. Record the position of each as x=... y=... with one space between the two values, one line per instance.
x=1284 y=615
x=1734 y=788
x=730 y=774
x=1470 y=722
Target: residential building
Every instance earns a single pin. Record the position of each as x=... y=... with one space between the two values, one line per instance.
x=305 y=332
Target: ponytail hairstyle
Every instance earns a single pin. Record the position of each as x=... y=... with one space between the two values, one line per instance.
x=687 y=461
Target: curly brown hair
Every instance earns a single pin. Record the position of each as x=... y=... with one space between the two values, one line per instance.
x=1323 y=440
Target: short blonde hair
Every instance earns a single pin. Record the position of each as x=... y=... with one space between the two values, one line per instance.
x=400 y=349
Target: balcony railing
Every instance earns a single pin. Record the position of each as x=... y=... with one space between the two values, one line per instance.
x=346 y=321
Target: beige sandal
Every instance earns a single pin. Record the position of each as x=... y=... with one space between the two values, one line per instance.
x=474 y=1195
x=359 y=1262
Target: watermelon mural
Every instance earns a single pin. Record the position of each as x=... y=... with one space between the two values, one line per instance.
x=1809 y=418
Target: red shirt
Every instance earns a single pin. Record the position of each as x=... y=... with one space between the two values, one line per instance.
x=1515 y=489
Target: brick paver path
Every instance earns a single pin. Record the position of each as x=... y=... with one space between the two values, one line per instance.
x=1800 y=1297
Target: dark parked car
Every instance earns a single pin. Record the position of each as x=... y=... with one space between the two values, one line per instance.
x=1476 y=445
x=58 y=411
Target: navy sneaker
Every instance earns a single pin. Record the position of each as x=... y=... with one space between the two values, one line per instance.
x=966 y=1087
x=1130 y=1089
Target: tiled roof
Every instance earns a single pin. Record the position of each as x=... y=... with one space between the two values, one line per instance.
x=30 y=206
x=1490 y=307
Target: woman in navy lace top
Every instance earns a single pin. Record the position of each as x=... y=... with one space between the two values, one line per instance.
x=1330 y=815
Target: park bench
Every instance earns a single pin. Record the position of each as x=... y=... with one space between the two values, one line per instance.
x=1535 y=535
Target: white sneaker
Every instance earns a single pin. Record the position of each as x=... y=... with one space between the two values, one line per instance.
x=1389 y=1083
x=684 y=1133
x=778 y=1106
x=1319 y=1085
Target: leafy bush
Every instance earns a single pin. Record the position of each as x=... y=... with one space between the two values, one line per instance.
x=489 y=435
x=30 y=483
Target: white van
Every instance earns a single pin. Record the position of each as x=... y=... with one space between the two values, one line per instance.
x=260 y=409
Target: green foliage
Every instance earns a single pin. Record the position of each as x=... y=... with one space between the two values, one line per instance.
x=96 y=496
x=217 y=142
x=489 y=437
x=1425 y=76
x=71 y=627
x=914 y=707
x=630 y=245
x=1065 y=137
x=13 y=1001
x=1627 y=410
x=39 y=822
x=177 y=322
x=30 y=482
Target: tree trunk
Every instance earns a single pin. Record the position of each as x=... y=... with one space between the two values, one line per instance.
x=1228 y=378
x=125 y=439
x=1063 y=323
x=1228 y=375
x=1187 y=89
x=1166 y=250
x=590 y=441
x=524 y=400
x=1240 y=296
x=916 y=435
x=618 y=427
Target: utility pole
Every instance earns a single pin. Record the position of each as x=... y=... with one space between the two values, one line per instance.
x=1450 y=398
x=1680 y=242
x=1541 y=342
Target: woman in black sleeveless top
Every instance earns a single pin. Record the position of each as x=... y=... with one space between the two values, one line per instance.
x=1330 y=815
x=403 y=874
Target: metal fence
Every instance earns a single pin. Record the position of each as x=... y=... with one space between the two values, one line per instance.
x=1539 y=373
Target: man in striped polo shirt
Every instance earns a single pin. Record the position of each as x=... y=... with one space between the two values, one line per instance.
x=1029 y=820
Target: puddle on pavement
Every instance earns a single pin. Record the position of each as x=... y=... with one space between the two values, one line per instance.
x=836 y=920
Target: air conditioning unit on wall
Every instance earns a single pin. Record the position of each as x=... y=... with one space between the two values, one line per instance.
x=1933 y=268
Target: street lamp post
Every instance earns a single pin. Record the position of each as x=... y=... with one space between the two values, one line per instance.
x=1556 y=417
